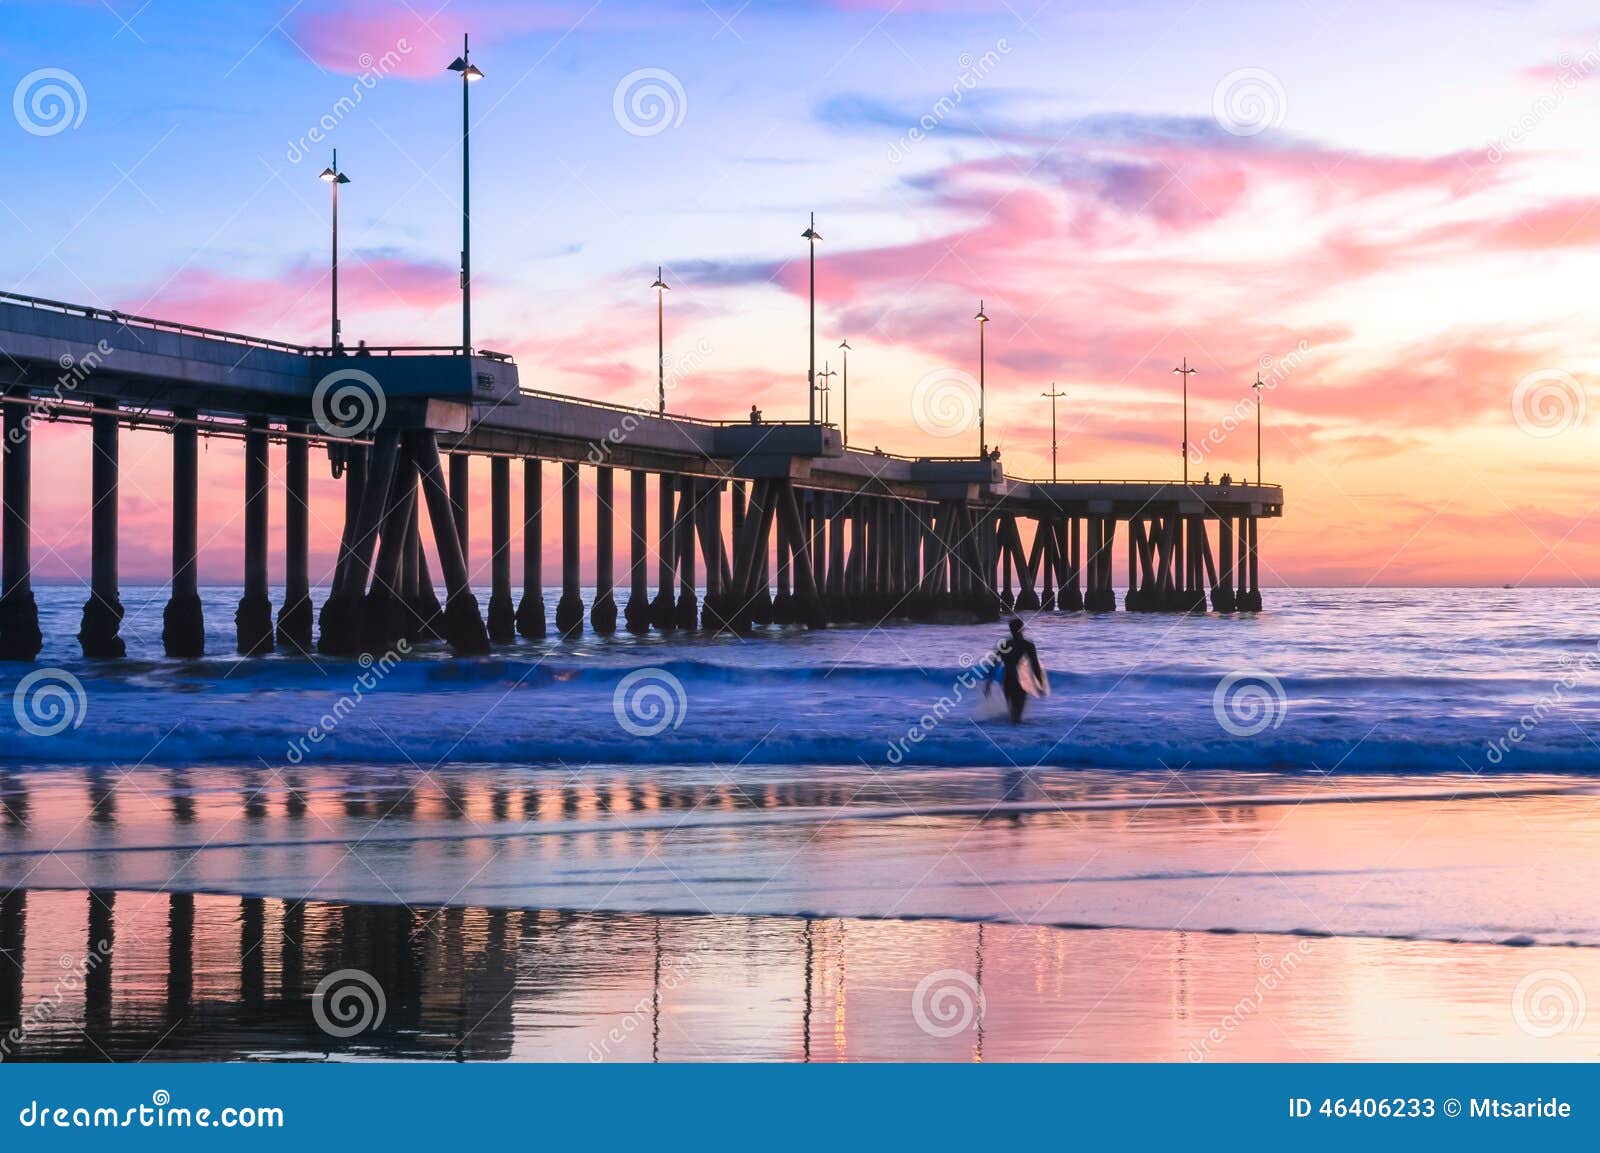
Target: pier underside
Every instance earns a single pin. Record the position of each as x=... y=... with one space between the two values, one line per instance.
x=787 y=526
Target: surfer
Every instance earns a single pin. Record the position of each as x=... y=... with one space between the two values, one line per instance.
x=1013 y=651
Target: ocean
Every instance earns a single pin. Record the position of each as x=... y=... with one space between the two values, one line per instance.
x=1355 y=781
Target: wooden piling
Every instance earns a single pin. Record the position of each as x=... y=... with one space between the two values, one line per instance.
x=341 y=630
x=686 y=613
x=384 y=612
x=569 y=609
x=20 y=638
x=183 y=632
x=460 y=499
x=253 y=618
x=502 y=613
x=636 y=615
x=807 y=595
x=783 y=602
x=463 y=626
x=1254 y=604
x=295 y=616
x=530 y=612
x=662 y=609
x=603 y=613
x=1222 y=596
x=98 y=633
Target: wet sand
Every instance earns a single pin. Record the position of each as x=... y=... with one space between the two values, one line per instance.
x=211 y=977
x=631 y=914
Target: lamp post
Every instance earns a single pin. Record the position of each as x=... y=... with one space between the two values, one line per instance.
x=1054 y=394
x=661 y=288
x=1186 y=372
x=334 y=177
x=469 y=74
x=813 y=236
x=1258 y=386
x=844 y=434
x=983 y=320
x=826 y=376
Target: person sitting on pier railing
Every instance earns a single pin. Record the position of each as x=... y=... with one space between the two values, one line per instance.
x=755 y=415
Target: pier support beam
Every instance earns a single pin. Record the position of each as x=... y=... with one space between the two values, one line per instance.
x=463 y=627
x=783 y=603
x=460 y=482
x=569 y=609
x=295 y=617
x=1008 y=598
x=253 y=618
x=20 y=638
x=352 y=459
x=603 y=613
x=686 y=614
x=384 y=611
x=1048 y=565
x=530 y=613
x=636 y=616
x=761 y=603
x=807 y=601
x=1071 y=595
x=1222 y=598
x=662 y=608
x=183 y=631
x=341 y=617
x=835 y=602
x=502 y=616
x=1253 y=601
x=1027 y=594
x=714 y=608
x=102 y=613
x=413 y=618
x=1099 y=596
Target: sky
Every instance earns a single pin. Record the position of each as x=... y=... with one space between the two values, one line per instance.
x=1387 y=211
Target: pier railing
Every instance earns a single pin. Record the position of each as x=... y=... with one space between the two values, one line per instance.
x=133 y=321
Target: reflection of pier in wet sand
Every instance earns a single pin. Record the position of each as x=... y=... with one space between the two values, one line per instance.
x=209 y=977
x=195 y=913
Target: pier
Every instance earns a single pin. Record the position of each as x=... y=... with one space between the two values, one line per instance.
x=788 y=525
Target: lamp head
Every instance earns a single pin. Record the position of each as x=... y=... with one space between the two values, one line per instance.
x=329 y=175
x=661 y=284
x=981 y=318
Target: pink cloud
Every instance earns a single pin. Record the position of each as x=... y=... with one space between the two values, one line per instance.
x=403 y=300
x=415 y=41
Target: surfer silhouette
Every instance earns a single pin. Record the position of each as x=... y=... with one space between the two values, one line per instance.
x=1021 y=674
